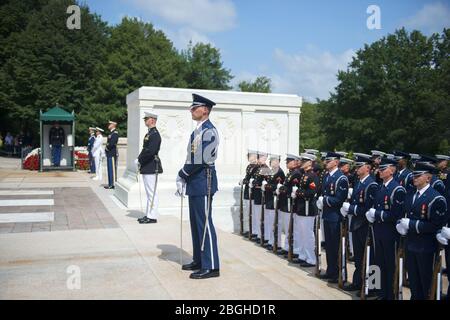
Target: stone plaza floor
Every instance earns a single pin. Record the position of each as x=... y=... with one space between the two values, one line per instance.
x=85 y=229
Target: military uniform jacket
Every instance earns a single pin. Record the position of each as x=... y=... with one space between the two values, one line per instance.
x=111 y=144
x=292 y=178
x=445 y=177
x=249 y=172
x=321 y=175
x=405 y=179
x=389 y=203
x=201 y=154
x=57 y=136
x=335 y=192
x=271 y=186
x=438 y=185
x=259 y=178
x=90 y=142
x=362 y=200
x=306 y=194
x=427 y=216
x=148 y=158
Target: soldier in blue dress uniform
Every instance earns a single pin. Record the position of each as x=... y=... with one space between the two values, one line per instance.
x=387 y=210
x=335 y=192
x=89 y=149
x=436 y=183
x=111 y=154
x=403 y=175
x=57 y=137
x=198 y=177
x=361 y=200
x=425 y=211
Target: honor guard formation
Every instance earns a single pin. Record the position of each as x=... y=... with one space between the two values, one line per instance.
x=386 y=213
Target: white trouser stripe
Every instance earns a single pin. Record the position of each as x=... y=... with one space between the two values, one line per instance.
x=209 y=234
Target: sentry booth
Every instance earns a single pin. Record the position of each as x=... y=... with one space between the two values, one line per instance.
x=66 y=121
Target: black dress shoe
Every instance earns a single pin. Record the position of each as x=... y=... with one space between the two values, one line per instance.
x=205 y=273
x=294 y=255
x=108 y=187
x=307 y=265
x=245 y=234
x=296 y=260
x=323 y=276
x=191 y=266
x=269 y=247
x=351 y=287
x=147 y=220
x=281 y=252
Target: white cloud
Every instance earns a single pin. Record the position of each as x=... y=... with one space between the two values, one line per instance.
x=431 y=18
x=182 y=36
x=311 y=73
x=200 y=15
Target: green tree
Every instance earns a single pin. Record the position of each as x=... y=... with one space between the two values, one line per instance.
x=261 y=84
x=394 y=95
x=204 y=68
x=310 y=135
x=138 y=55
x=47 y=63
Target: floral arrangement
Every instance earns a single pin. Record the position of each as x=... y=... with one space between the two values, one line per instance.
x=81 y=159
x=31 y=161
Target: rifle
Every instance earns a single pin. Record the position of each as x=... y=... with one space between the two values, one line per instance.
x=342 y=278
x=241 y=209
x=366 y=265
x=399 y=269
x=318 y=244
x=436 y=280
x=275 y=226
x=291 y=231
x=262 y=217
x=250 y=231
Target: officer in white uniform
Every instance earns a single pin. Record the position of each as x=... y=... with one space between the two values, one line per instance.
x=98 y=153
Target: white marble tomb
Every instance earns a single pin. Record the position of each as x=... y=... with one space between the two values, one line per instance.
x=266 y=122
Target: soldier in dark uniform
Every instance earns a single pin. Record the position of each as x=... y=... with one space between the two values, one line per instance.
x=89 y=149
x=258 y=179
x=361 y=200
x=335 y=192
x=199 y=177
x=388 y=208
x=251 y=185
x=436 y=183
x=252 y=159
x=111 y=154
x=56 y=139
x=403 y=175
x=284 y=191
x=277 y=177
x=377 y=156
x=150 y=166
x=425 y=212
x=304 y=199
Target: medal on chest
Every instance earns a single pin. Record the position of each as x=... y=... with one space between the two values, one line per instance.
x=423 y=211
x=361 y=196
x=386 y=202
x=195 y=144
x=332 y=189
x=146 y=137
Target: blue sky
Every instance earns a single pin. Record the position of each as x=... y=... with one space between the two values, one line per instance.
x=299 y=44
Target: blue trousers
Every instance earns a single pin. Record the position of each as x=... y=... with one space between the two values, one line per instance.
x=91 y=163
x=209 y=257
x=420 y=272
x=385 y=250
x=332 y=233
x=111 y=163
x=56 y=155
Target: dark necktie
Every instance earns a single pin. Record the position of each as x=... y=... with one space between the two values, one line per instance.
x=416 y=196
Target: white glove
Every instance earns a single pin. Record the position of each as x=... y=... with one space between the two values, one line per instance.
x=278 y=189
x=263 y=185
x=405 y=223
x=442 y=240
x=350 y=192
x=62 y=145
x=344 y=209
x=319 y=203
x=51 y=146
x=136 y=162
x=180 y=186
x=400 y=229
x=446 y=232
x=250 y=184
x=240 y=182
x=370 y=215
x=294 y=192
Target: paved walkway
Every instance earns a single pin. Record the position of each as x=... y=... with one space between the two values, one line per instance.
x=117 y=258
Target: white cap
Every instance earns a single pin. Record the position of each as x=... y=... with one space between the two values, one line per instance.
x=150 y=115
